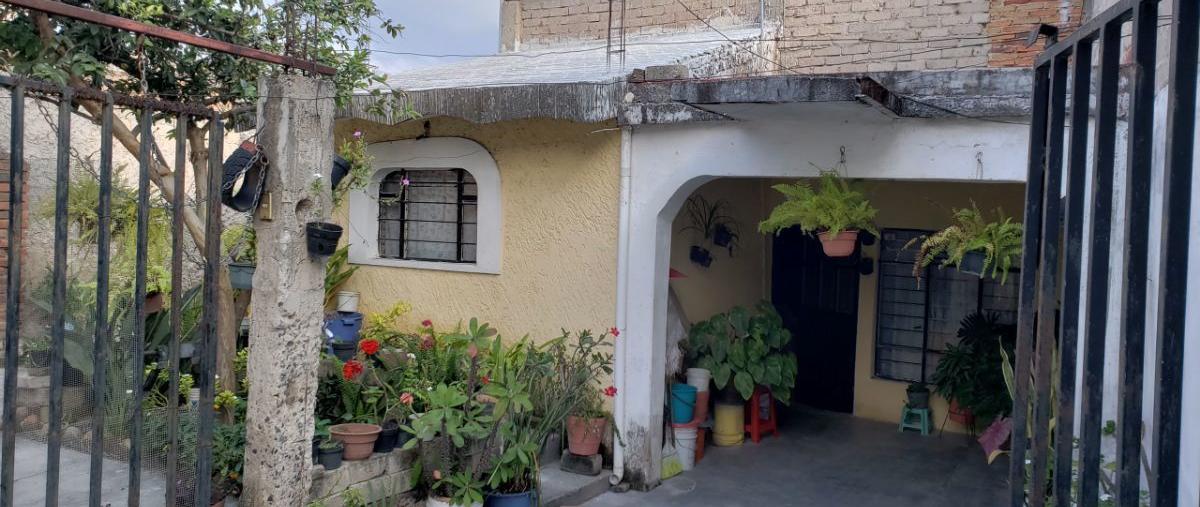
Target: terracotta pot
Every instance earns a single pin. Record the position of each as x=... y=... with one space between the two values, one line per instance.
x=961 y=415
x=584 y=434
x=841 y=245
x=358 y=438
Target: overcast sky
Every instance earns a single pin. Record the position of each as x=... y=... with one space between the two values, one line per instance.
x=436 y=27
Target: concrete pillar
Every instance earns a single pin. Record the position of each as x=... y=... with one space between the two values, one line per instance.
x=510 y=26
x=295 y=122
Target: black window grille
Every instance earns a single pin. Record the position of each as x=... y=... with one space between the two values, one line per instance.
x=428 y=215
x=915 y=322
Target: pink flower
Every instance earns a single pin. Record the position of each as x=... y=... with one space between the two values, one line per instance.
x=427 y=342
x=614 y=332
x=406 y=398
x=426 y=323
x=358 y=134
x=610 y=391
x=405 y=181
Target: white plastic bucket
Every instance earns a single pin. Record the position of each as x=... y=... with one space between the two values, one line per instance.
x=699 y=378
x=347 y=301
x=685 y=442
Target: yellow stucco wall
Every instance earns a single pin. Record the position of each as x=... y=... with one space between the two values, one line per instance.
x=559 y=195
x=915 y=205
x=746 y=278
x=730 y=280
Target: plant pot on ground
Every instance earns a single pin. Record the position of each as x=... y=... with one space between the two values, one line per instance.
x=329 y=454
x=740 y=359
x=358 y=438
x=322 y=238
x=522 y=499
x=971 y=372
x=835 y=211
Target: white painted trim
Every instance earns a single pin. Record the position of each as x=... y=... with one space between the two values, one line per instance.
x=429 y=153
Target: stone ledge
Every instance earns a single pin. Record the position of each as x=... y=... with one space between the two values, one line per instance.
x=382 y=476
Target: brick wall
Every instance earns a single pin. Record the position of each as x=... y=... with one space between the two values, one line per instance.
x=5 y=178
x=1020 y=17
x=829 y=36
x=549 y=22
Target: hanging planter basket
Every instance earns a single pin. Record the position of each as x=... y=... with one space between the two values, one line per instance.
x=241 y=275
x=322 y=238
x=701 y=256
x=972 y=263
x=840 y=245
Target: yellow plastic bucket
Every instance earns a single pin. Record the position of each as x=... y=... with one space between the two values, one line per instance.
x=730 y=425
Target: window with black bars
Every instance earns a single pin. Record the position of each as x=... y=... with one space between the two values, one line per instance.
x=428 y=215
x=915 y=322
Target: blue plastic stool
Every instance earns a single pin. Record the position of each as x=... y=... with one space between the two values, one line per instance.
x=922 y=423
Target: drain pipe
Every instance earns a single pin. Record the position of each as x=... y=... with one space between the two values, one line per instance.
x=622 y=292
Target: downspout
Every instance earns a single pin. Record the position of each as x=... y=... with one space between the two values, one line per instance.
x=618 y=473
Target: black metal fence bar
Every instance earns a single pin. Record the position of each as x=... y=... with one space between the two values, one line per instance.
x=1047 y=291
x=100 y=343
x=1137 y=223
x=59 y=299
x=181 y=124
x=138 y=352
x=1096 y=297
x=1072 y=250
x=12 y=301
x=1029 y=269
x=212 y=250
x=1173 y=272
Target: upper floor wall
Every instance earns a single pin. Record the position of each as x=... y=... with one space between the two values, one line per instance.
x=810 y=36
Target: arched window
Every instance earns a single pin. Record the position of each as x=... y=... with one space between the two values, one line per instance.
x=428 y=215
x=431 y=203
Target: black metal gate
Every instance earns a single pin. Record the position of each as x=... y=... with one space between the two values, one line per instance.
x=67 y=98
x=1044 y=458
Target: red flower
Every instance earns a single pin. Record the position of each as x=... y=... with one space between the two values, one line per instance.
x=427 y=323
x=472 y=351
x=614 y=332
x=352 y=369
x=610 y=391
x=369 y=347
x=406 y=398
x=485 y=380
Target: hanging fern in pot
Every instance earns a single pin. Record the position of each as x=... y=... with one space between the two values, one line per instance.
x=972 y=244
x=834 y=211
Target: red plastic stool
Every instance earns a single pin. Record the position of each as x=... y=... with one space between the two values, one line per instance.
x=755 y=424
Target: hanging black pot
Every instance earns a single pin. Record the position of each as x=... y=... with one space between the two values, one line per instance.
x=322 y=238
x=701 y=256
x=972 y=263
x=241 y=275
x=248 y=164
x=724 y=237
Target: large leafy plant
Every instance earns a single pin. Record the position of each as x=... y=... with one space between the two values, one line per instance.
x=745 y=349
x=999 y=242
x=972 y=372
x=834 y=206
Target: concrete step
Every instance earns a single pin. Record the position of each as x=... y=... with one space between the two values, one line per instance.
x=565 y=489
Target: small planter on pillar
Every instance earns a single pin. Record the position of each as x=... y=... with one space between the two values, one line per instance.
x=322 y=238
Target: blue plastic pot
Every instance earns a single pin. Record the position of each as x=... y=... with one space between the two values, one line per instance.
x=683 y=403
x=525 y=499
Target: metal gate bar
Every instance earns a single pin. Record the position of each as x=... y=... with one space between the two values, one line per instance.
x=67 y=98
x=1040 y=280
x=12 y=334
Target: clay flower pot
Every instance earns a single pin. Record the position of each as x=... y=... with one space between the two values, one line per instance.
x=358 y=438
x=841 y=245
x=584 y=434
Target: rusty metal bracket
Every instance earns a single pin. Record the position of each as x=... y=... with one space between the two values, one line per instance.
x=100 y=18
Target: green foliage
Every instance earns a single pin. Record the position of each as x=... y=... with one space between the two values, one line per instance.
x=337 y=271
x=228 y=455
x=240 y=243
x=833 y=207
x=706 y=219
x=745 y=349
x=971 y=371
x=334 y=33
x=354 y=150
x=999 y=241
x=464 y=488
